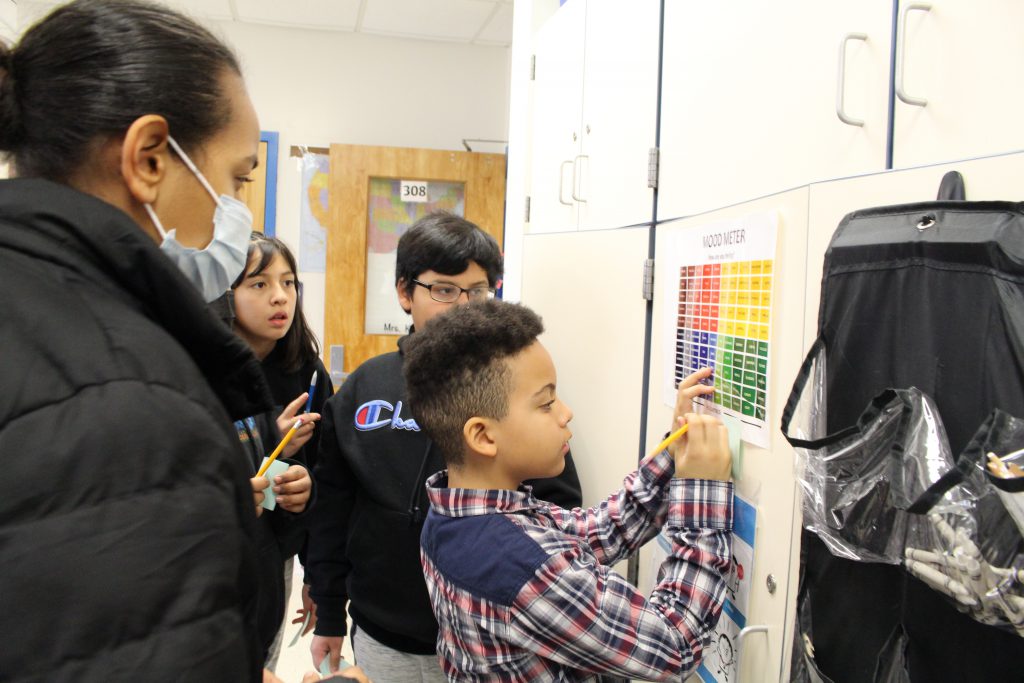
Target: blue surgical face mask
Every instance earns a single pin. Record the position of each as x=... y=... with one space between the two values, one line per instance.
x=213 y=268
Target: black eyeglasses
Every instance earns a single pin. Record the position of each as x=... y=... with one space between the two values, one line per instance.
x=447 y=293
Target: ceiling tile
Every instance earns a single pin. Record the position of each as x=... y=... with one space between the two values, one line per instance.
x=321 y=14
x=499 y=30
x=457 y=20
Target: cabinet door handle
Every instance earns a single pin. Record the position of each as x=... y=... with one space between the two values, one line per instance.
x=744 y=632
x=841 y=79
x=901 y=55
x=575 y=174
x=561 y=181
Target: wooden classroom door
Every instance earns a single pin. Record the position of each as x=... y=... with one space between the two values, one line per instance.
x=375 y=194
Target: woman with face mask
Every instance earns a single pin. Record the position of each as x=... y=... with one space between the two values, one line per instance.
x=127 y=525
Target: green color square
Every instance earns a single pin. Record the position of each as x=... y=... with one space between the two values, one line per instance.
x=762 y=366
x=748 y=409
x=748 y=395
x=759 y=413
x=762 y=383
x=749 y=378
x=760 y=399
x=750 y=364
x=727 y=358
x=762 y=349
x=727 y=372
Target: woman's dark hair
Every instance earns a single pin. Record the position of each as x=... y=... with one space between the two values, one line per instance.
x=298 y=346
x=445 y=243
x=92 y=67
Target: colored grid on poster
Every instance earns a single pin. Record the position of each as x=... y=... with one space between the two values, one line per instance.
x=723 y=318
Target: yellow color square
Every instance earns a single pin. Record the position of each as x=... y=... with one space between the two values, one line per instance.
x=756 y=267
x=730 y=328
x=766 y=297
x=731 y=297
x=744 y=267
x=766 y=267
x=743 y=298
x=755 y=298
x=741 y=329
x=763 y=316
x=762 y=332
x=742 y=313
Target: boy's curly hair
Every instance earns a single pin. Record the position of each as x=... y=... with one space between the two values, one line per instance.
x=457 y=368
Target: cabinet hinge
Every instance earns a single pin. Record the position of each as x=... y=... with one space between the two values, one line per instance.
x=653 y=157
x=648 y=288
x=527 y=212
x=533 y=67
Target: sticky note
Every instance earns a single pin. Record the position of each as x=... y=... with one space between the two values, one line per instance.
x=325 y=666
x=277 y=467
x=735 y=443
x=298 y=634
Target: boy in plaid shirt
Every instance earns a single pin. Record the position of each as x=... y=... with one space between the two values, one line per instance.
x=522 y=589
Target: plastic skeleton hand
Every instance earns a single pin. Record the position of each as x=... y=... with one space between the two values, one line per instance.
x=990 y=594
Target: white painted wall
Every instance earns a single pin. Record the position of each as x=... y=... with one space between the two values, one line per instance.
x=8 y=33
x=8 y=21
x=319 y=87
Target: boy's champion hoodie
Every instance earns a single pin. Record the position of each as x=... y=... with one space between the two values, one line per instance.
x=371 y=502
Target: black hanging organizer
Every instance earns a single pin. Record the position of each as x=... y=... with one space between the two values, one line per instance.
x=928 y=296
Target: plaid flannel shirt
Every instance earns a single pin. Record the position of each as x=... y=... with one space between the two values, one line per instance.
x=523 y=590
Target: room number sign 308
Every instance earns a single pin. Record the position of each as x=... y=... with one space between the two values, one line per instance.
x=414 y=191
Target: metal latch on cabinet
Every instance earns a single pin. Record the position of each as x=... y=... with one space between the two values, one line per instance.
x=652 y=167
x=648 y=286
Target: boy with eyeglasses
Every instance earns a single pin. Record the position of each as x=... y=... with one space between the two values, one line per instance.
x=371 y=502
x=524 y=590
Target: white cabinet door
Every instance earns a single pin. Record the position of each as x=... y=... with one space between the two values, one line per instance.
x=594 y=315
x=767 y=474
x=557 y=107
x=749 y=96
x=965 y=59
x=620 y=101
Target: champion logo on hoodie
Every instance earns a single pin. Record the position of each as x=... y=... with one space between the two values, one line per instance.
x=378 y=413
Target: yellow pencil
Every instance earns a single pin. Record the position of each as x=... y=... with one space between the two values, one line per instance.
x=280 y=447
x=671 y=439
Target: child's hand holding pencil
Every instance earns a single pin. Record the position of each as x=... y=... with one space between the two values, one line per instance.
x=689 y=389
x=287 y=418
x=699 y=443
